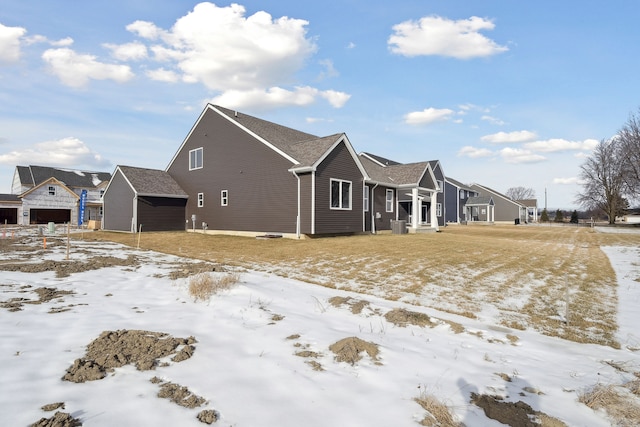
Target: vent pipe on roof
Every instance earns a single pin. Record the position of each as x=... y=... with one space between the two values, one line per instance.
x=235 y=113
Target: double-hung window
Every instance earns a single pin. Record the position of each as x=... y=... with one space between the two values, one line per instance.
x=52 y=190
x=365 y=198
x=195 y=159
x=340 y=194
x=438 y=209
x=200 y=200
x=389 y=201
x=224 y=197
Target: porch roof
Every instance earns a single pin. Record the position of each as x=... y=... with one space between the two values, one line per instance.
x=479 y=201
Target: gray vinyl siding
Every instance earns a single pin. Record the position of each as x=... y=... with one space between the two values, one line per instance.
x=338 y=165
x=453 y=203
x=262 y=192
x=305 y=203
x=441 y=195
x=118 y=205
x=379 y=198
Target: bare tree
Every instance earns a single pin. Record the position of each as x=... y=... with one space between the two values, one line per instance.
x=520 y=193
x=603 y=183
x=629 y=139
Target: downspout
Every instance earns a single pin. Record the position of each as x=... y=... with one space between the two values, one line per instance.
x=372 y=205
x=298 y=214
x=313 y=202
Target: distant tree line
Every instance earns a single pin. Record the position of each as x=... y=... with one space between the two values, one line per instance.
x=611 y=174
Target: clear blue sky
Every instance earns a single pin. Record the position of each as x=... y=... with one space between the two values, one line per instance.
x=504 y=94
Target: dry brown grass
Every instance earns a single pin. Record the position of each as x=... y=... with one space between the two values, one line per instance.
x=525 y=272
x=439 y=414
x=622 y=408
x=203 y=286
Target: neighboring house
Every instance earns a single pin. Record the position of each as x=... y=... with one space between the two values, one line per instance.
x=532 y=209
x=480 y=209
x=505 y=209
x=456 y=196
x=247 y=175
x=411 y=192
x=10 y=208
x=143 y=199
x=51 y=194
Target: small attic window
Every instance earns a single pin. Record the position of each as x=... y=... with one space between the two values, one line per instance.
x=52 y=190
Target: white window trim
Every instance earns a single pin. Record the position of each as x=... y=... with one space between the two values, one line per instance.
x=224 y=198
x=462 y=194
x=52 y=190
x=200 y=200
x=388 y=205
x=341 y=181
x=440 y=186
x=365 y=198
x=191 y=166
x=438 y=209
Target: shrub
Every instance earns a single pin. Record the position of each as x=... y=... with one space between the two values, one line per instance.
x=439 y=414
x=203 y=285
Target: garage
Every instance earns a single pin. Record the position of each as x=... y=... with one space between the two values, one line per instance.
x=45 y=216
x=10 y=205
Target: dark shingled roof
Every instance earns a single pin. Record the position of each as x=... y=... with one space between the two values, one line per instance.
x=397 y=174
x=479 y=201
x=459 y=184
x=152 y=182
x=282 y=137
x=34 y=175
x=10 y=198
x=381 y=160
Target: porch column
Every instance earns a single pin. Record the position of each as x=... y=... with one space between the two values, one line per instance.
x=415 y=208
x=434 y=217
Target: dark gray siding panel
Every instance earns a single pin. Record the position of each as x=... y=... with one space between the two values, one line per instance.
x=262 y=193
x=118 y=205
x=452 y=196
x=381 y=216
x=161 y=213
x=441 y=195
x=339 y=165
x=305 y=203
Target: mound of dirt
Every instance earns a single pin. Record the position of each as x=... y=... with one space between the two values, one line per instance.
x=514 y=414
x=59 y=419
x=208 y=416
x=356 y=305
x=66 y=268
x=45 y=294
x=113 y=349
x=188 y=269
x=180 y=395
x=349 y=349
x=402 y=317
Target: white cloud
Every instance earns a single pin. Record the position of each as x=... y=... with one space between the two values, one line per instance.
x=163 y=75
x=434 y=35
x=67 y=41
x=567 y=181
x=224 y=50
x=335 y=98
x=68 y=151
x=146 y=30
x=330 y=69
x=128 y=51
x=509 y=137
x=428 y=115
x=247 y=60
x=76 y=70
x=518 y=155
x=474 y=152
x=493 y=120
x=558 y=144
x=278 y=97
x=10 y=43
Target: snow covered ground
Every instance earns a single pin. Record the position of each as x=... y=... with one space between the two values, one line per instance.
x=245 y=363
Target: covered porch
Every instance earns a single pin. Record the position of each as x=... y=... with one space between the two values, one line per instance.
x=418 y=207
